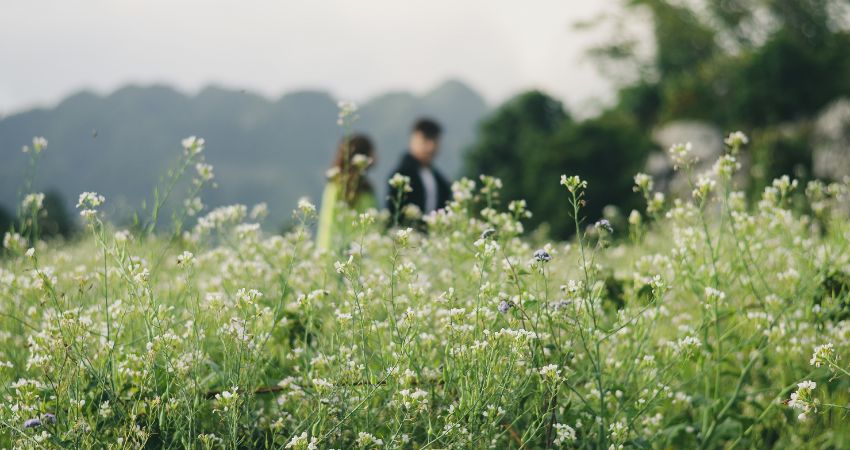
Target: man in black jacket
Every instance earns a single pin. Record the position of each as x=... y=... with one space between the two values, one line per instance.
x=429 y=189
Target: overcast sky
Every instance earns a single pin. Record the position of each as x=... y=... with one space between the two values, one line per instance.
x=354 y=49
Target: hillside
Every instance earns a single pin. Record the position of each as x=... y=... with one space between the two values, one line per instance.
x=262 y=150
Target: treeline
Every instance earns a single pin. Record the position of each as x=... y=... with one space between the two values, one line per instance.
x=766 y=67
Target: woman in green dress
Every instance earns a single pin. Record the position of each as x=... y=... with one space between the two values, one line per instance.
x=347 y=188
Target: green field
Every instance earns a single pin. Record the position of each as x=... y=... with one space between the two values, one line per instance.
x=706 y=321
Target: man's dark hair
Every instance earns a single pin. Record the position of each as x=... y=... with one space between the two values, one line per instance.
x=428 y=127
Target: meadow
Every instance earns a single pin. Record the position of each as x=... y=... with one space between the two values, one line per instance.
x=704 y=321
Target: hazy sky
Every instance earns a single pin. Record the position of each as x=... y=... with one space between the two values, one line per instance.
x=354 y=49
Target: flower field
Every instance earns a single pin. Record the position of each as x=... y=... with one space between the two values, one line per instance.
x=707 y=321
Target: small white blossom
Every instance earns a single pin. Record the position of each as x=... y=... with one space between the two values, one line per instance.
x=823 y=354
x=88 y=202
x=33 y=202
x=736 y=139
x=306 y=207
x=401 y=182
x=347 y=112
x=192 y=145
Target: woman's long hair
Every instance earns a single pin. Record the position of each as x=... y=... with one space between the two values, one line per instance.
x=349 y=170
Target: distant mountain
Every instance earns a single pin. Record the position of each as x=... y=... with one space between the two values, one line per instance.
x=274 y=151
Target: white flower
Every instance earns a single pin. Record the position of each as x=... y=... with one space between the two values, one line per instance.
x=736 y=139
x=205 y=171
x=105 y=410
x=193 y=145
x=322 y=384
x=807 y=385
x=643 y=183
x=784 y=185
x=564 y=434
x=703 y=186
x=300 y=442
x=802 y=399
x=39 y=144
x=221 y=216
x=227 y=400
x=14 y=241
x=713 y=294
x=248 y=296
x=193 y=206
x=725 y=166
x=365 y=439
x=411 y=211
x=347 y=112
x=573 y=183
x=361 y=161
x=634 y=218
x=686 y=346
x=490 y=184
x=822 y=355
x=342 y=267
x=88 y=201
x=332 y=172
x=306 y=207
x=185 y=259
x=259 y=211
x=33 y=202
x=123 y=236
x=681 y=155
x=550 y=372
x=414 y=399
x=401 y=182
x=403 y=236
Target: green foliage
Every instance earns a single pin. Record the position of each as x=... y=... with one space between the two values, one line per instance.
x=511 y=144
x=779 y=150
x=710 y=64
x=56 y=221
x=6 y=220
x=762 y=65
x=790 y=74
x=682 y=40
x=606 y=151
x=722 y=324
x=531 y=140
x=791 y=78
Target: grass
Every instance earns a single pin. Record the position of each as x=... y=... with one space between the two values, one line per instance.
x=695 y=325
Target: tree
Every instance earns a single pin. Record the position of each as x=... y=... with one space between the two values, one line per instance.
x=764 y=66
x=510 y=139
x=6 y=221
x=55 y=220
x=757 y=65
x=530 y=141
x=606 y=151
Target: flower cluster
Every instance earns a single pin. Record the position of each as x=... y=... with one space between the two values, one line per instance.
x=472 y=332
x=88 y=203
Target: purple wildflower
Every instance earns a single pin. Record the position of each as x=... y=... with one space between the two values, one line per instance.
x=562 y=304
x=48 y=417
x=32 y=423
x=504 y=306
x=542 y=256
x=605 y=225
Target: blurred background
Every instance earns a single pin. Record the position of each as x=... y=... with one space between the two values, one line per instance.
x=525 y=91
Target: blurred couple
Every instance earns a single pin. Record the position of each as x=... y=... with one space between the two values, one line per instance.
x=349 y=187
